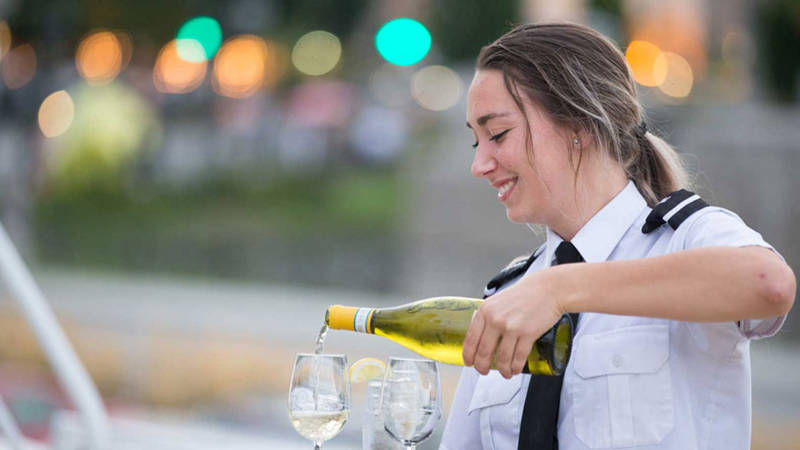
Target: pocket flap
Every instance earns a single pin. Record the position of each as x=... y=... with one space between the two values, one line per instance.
x=493 y=389
x=636 y=349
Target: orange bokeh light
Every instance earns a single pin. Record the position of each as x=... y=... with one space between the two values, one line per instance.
x=19 y=66
x=648 y=69
x=99 y=57
x=240 y=66
x=679 y=79
x=677 y=30
x=174 y=75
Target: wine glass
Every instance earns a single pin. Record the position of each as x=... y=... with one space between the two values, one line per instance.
x=411 y=400
x=373 y=434
x=319 y=396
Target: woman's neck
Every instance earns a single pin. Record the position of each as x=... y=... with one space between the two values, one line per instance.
x=594 y=190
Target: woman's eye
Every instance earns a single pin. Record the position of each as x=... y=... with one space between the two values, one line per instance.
x=499 y=136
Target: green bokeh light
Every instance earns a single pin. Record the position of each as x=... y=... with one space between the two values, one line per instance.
x=403 y=41
x=203 y=30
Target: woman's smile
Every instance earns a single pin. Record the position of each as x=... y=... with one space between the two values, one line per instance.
x=504 y=188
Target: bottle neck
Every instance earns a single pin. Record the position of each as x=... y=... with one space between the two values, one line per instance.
x=350 y=318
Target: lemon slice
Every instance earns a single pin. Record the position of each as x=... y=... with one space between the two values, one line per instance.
x=366 y=369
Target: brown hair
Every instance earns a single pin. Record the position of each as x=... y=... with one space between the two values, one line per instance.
x=582 y=81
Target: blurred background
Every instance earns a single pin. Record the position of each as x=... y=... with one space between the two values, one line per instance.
x=192 y=183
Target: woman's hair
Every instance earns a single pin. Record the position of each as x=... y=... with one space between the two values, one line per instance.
x=582 y=82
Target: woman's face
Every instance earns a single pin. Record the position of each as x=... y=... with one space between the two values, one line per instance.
x=532 y=187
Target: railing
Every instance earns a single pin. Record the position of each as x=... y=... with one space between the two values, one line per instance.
x=65 y=363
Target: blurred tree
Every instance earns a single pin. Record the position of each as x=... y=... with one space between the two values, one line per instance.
x=778 y=34
x=461 y=27
x=150 y=19
x=612 y=7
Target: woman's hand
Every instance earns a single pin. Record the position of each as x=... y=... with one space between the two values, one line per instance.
x=509 y=322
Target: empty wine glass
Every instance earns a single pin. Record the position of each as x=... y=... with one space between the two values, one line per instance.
x=319 y=396
x=411 y=400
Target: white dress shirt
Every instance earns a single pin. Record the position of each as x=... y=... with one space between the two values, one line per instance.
x=635 y=382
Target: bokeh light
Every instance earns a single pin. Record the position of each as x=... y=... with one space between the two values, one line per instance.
x=403 y=41
x=436 y=88
x=5 y=38
x=203 y=30
x=648 y=69
x=316 y=53
x=99 y=57
x=112 y=124
x=19 y=66
x=56 y=114
x=240 y=66
x=175 y=75
x=677 y=28
x=679 y=79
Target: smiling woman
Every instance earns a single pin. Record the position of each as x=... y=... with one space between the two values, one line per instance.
x=674 y=291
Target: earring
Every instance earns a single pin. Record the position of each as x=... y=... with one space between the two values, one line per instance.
x=576 y=141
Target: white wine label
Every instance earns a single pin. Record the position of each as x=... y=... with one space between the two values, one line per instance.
x=361 y=320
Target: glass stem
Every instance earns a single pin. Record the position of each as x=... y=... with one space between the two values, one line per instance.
x=317 y=445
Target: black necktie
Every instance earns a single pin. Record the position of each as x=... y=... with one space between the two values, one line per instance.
x=538 y=429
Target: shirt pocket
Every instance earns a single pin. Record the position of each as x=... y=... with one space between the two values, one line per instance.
x=622 y=394
x=497 y=402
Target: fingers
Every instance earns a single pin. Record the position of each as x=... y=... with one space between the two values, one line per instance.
x=505 y=354
x=472 y=338
x=523 y=349
x=486 y=348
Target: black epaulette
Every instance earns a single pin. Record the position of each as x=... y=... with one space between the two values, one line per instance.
x=673 y=209
x=515 y=268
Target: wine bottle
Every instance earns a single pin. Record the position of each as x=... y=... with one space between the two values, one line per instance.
x=435 y=328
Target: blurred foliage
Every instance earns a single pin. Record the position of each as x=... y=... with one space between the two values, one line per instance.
x=777 y=24
x=611 y=7
x=461 y=27
x=348 y=202
x=336 y=16
x=222 y=226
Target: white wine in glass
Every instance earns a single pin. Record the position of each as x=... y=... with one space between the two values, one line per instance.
x=319 y=396
x=411 y=400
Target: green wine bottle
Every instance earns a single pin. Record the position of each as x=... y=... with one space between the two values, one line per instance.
x=435 y=328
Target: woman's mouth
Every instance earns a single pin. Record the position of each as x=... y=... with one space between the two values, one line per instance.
x=504 y=190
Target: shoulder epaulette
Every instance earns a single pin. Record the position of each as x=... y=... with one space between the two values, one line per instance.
x=673 y=209
x=515 y=268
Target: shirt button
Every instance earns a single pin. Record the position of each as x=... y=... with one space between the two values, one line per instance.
x=617 y=361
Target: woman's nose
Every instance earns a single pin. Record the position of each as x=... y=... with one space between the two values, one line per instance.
x=482 y=164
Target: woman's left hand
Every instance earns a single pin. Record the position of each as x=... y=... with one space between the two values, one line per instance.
x=509 y=322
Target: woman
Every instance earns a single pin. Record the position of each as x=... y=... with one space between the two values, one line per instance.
x=670 y=293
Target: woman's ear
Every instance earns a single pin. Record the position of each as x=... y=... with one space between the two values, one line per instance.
x=581 y=139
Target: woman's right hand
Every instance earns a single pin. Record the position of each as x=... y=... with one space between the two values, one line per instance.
x=508 y=323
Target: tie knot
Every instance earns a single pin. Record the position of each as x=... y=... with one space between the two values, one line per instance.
x=567 y=253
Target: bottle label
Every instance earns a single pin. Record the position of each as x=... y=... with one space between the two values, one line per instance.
x=361 y=320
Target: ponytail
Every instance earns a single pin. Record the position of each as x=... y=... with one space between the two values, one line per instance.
x=655 y=167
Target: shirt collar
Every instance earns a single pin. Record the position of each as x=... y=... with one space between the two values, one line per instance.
x=601 y=234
